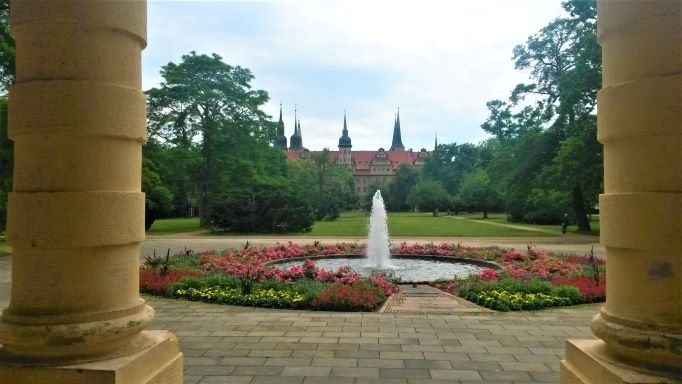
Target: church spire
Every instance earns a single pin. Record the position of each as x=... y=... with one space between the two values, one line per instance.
x=281 y=139
x=397 y=144
x=296 y=141
x=435 y=144
x=344 y=141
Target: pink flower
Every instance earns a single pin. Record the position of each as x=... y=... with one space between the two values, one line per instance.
x=488 y=275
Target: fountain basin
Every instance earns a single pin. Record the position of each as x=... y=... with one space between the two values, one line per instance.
x=410 y=268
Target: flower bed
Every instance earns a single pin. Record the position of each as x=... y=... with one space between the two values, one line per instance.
x=526 y=280
x=533 y=280
x=239 y=277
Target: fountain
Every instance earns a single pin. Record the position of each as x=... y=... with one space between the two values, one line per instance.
x=410 y=268
x=378 y=244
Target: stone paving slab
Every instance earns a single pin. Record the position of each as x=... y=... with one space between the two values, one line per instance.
x=425 y=299
x=392 y=347
x=231 y=344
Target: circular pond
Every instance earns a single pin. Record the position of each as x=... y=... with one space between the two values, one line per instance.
x=409 y=269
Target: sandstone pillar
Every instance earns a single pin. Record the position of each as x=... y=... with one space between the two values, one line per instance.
x=640 y=125
x=76 y=216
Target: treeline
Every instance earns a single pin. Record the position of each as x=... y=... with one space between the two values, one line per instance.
x=210 y=152
x=543 y=159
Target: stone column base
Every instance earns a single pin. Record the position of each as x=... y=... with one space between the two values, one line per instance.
x=583 y=366
x=159 y=363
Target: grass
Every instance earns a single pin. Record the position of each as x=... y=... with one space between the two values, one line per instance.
x=418 y=225
x=399 y=224
x=502 y=219
x=170 y=226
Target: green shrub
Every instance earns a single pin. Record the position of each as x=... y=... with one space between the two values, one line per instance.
x=512 y=295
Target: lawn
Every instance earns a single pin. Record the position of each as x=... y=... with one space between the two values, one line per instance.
x=355 y=224
x=170 y=226
x=416 y=224
x=399 y=224
x=502 y=219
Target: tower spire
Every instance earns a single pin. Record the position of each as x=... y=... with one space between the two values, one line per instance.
x=344 y=140
x=296 y=141
x=397 y=144
x=281 y=139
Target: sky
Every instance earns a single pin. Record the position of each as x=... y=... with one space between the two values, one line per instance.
x=438 y=61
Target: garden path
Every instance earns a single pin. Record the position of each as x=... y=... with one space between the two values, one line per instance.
x=425 y=299
x=229 y=344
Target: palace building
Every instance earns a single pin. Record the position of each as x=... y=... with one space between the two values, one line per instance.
x=369 y=167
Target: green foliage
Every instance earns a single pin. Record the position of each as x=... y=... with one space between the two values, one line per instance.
x=158 y=198
x=274 y=206
x=7 y=62
x=7 y=51
x=329 y=188
x=209 y=108
x=267 y=298
x=477 y=193
x=546 y=206
x=544 y=154
x=395 y=193
x=514 y=295
x=428 y=195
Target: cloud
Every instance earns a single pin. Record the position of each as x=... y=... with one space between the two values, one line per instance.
x=440 y=61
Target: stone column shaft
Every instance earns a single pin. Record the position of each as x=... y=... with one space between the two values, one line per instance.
x=76 y=215
x=640 y=125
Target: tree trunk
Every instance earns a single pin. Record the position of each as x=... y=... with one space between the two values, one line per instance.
x=580 y=210
x=204 y=178
x=485 y=214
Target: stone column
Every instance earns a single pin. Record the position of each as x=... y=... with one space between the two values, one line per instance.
x=640 y=125
x=76 y=215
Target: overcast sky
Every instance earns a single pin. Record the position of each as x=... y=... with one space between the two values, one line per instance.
x=439 y=61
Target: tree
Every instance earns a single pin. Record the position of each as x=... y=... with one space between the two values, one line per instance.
x=272 y=205
x=477 y=193
x=428 y=195
x=158 y=198
x=207 y=105
x=565 y=63
x=330 y=188
x=396 y=191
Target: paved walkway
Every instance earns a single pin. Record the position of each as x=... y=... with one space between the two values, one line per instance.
x=229 y=344
x=423 y=299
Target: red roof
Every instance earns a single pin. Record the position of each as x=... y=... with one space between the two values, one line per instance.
x=362 y=159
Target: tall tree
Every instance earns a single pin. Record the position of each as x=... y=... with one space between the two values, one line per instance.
x=477 y=193
x=329 y=187
x=396 y=191
x=428 y=195
x=564 y=60
x=208 y=103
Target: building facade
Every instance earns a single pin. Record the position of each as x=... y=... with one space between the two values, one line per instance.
x=368 y=167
